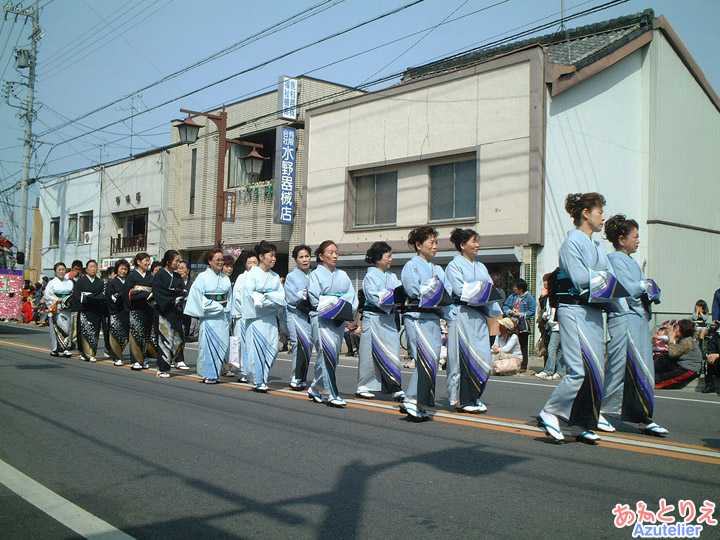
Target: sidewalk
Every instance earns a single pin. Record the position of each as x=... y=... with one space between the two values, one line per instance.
x=536 y=364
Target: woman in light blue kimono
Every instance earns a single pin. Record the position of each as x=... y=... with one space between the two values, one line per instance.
x=630 y=371
x=209 y=301
x=237 y=353
x=263 y=302
x=427 y=294
x=469 y=357
x=576 y=400
x=334 y=301
x=379 y=350
x=298 y=316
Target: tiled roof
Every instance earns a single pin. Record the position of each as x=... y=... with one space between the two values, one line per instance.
x=579 y=46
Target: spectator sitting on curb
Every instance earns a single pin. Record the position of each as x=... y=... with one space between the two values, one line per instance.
x=682 y=363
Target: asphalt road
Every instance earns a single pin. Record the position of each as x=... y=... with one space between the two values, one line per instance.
x=175 y=458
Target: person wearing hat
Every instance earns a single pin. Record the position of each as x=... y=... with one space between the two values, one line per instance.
x=507 y=341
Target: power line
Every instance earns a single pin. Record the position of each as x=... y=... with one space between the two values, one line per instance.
x=91 y=46
x=430 y=31
x=334 y=2
x=203 y=61
x=375 y=82
x=68 y=47
x=531 y=31
x=368 y=85
x=255 y=67
x=10 y=58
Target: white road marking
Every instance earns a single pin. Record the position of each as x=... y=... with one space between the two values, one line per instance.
x=60 y=509
x=503 y=380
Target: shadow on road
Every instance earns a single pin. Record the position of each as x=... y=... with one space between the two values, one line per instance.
x=342 y=506
x=10 y=329
x=712 y=443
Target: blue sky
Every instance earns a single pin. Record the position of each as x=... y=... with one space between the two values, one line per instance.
x=96 y=52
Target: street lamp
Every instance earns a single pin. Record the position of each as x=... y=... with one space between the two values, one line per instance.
x=253 y=163
x=188 y=131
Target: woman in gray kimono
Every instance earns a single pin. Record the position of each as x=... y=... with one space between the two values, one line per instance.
x=469 y=356
x=630 y=372
x=298 y=316
x=576 y=400
x=427 y=295
x=379 y=350
x=334 y=301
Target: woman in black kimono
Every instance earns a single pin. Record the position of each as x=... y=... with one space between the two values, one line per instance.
x=138 y=294
x=169 y=293
x=89 y=295
x=118 y=318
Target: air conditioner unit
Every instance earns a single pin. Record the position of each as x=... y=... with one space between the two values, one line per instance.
x=87 y=237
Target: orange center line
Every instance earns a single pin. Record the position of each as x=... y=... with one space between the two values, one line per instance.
x=451 y=418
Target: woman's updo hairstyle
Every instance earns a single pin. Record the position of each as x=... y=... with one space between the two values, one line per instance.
x=575 y=203
x=419 y=235
x=461 y=236
x=264 y=247
x=169 y=256
x=139 y=257
x=618 y=226
x=376 y=252
x=321 y=249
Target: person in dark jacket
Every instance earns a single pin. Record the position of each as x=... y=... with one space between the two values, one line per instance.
x=683 y=361
x=713 y=359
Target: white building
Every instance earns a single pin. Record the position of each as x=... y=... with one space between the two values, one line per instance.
x=495 y=139
x=70 y=209
x=133 y=207
x=108 y=212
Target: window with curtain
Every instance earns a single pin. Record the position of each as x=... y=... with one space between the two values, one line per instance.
x=376 y=199
x=237 y=176
x=453 y=191
x=72 y=229
x=54 y=231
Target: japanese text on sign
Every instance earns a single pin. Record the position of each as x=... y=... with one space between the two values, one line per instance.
x=287 y=175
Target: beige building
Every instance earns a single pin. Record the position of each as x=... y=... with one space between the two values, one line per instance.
x=495 y=139
x=254 y=213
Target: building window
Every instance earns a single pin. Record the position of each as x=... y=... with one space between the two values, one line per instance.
x=72 y=229
x=453 y=191
x=86 y=226
x=193 y=171
x=237 y=175
x=376 y=199
x=131 y=233
x=55 y=231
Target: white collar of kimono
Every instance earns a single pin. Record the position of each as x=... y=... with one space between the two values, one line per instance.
x=471 y=263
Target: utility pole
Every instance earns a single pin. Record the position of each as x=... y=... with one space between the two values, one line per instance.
x=26 y=59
